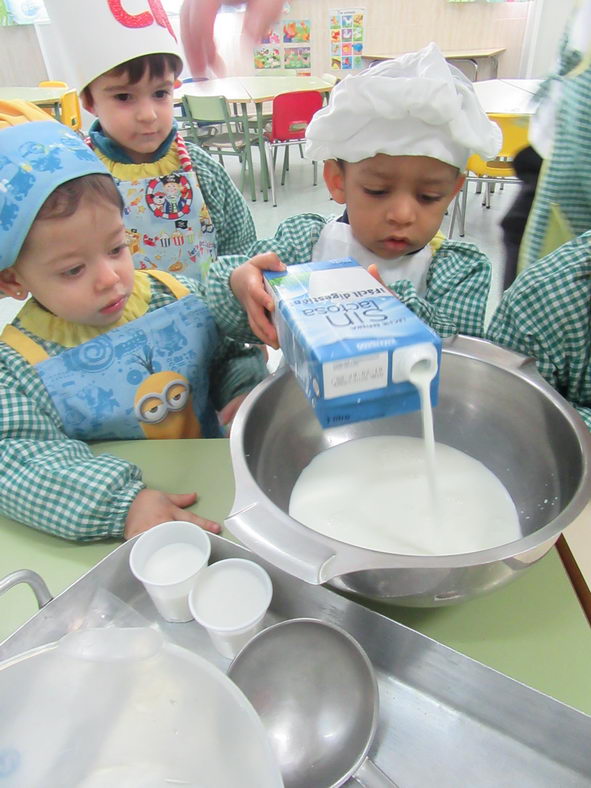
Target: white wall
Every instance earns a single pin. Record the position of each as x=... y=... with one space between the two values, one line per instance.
x=28 y=55
x=545 y=26
x=21 y=63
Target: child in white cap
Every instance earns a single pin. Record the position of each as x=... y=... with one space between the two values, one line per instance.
x=181 y=207
x=100 y=351
x=395 y=140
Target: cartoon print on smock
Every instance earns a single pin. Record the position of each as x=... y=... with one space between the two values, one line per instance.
x=146 y=379
x=18 y=179
x=168 y=223
x=162 y=405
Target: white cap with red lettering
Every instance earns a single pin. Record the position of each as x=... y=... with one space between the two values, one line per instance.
x=98 y=35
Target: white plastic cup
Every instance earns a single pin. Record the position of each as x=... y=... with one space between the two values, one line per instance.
x=230 y=599
x=167 y=559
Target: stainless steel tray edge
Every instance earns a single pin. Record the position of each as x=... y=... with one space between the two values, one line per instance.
x=440 y=710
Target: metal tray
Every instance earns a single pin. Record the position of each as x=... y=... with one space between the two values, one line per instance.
x=446 y=720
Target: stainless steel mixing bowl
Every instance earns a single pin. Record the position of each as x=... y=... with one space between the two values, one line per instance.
x=493 y=405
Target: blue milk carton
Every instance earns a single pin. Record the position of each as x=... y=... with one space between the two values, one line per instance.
x=349 y=341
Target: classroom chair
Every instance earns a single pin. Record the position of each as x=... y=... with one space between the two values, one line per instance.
x=292 y=112
x=211 y=125
x=52 y=110
x=70 y=113
x=179 y=110
x=499 y=170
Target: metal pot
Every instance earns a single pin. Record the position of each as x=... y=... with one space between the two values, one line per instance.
x=493 y=405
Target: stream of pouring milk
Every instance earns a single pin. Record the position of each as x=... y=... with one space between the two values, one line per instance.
x=405 y=495
x=421 y=376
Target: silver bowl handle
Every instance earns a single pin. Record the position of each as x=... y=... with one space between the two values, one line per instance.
x=484 y=350
x=300 y=551
x=293 y=551
x=32 y=579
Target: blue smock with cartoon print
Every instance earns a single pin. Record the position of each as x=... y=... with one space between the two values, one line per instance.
x=146 y=379
x=167 y=221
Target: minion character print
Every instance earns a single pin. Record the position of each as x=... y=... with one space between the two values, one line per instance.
x=163 y=405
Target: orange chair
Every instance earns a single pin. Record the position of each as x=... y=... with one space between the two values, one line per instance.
x=70 y=113
x=292 y=112
x=499 y=170
x=52 y=110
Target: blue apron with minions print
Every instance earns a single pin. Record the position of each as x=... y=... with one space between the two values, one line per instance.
x=146 y=379
x=167 y=221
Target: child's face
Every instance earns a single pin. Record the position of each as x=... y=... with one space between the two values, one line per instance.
x=395 y=204
x=137 y=116
x=78 y=267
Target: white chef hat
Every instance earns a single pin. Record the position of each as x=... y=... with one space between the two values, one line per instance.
x=415 y=105
x=100 y=35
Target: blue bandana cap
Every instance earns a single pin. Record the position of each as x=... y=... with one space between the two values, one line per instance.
x=35 y=158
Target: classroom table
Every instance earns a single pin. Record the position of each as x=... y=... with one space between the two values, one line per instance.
x=473 y=56
x=42 y=97
x=529 y=85
x=507 y=96
x=533 y=629
x=252 y=90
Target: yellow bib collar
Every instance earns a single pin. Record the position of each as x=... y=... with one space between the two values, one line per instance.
x=49 y=327
x=170 y=162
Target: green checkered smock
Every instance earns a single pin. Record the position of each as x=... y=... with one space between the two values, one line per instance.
x=564 y=184
x=55 y=483
x=230 y=215
x=458 y=279
x=546 y=314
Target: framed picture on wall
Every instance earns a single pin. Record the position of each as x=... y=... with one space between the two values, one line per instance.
x=286 y=46
x=346 y=36
x=267 y=57
x=297 y=58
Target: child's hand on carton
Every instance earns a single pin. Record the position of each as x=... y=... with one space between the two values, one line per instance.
x=248 y=285
x=152 y=507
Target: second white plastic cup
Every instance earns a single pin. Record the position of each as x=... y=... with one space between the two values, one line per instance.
x=167 y=559
x=230 y=599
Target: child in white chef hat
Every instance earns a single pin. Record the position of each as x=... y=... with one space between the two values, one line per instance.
x=395 y=140
x=181 y=207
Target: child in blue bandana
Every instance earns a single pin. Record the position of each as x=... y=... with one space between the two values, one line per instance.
x=100 y=351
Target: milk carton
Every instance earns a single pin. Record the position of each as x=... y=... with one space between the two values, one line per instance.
x=349 y=341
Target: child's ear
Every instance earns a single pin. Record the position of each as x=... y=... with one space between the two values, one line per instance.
x=87 y=102
x=11 y=285
x=334 y=177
